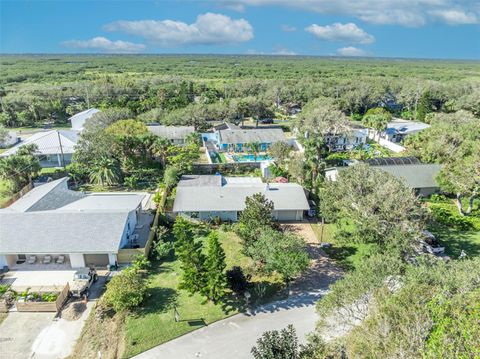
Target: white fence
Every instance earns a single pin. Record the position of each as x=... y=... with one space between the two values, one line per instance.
x=394 y=147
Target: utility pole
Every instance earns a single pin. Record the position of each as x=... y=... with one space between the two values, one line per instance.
x=61 y=149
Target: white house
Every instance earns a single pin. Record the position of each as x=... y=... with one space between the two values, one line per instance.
x=51 y=220
x=55 y=147
x=78 y=120
x=205 y=197
x=398 y=129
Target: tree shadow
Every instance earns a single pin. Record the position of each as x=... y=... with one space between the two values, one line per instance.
x=158 y=300
x=341 y=255
x=455 y=240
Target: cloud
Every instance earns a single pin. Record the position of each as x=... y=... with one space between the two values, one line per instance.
x=351 y=51
x=349 y=33
x=104 y=44
x=288 y=28
x=208 y=29
x=400 y=12
x=456 y=17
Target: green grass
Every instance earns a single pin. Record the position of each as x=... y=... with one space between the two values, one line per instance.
x=154 y=323
x=4 y=192
x=456 y=239
x=348 y=256
x=222 y=158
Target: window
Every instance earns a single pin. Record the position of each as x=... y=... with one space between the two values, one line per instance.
x=194 y=214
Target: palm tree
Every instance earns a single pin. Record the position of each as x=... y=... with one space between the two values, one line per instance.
x=254 y=149
x=105 y=172
x=160 y=149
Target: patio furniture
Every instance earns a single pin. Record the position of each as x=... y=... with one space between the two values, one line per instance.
x=32 y=259
x=47 y=259
x=61 y=259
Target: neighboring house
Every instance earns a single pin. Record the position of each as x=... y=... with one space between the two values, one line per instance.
x=10 y=140
x=398 y=129
x=419 y=176
x=78 y=120
x=356 y=135
x=55 y=147
x=238 y=140
x=206 y=197
x=176 y=134
x=87 y=229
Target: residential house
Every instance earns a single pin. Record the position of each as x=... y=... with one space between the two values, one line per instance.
x=55 y=147
x=238 y=140
x=419 y=176
x=83 y=228
x=398 y=129
x=78 y=120
x=176 y=134
x=355 y=136
x=206 y=197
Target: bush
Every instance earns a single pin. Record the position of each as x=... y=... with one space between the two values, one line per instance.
x=277 y=345
x=237 y=280
x=451 y=219
x=125 y=291
x=140 y=262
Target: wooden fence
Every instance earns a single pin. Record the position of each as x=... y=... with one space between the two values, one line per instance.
x=17 y=195
x=44 y=306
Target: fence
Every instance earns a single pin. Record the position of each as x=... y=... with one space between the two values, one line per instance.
x=17 y=195
x=388 y=144
x=44 y=306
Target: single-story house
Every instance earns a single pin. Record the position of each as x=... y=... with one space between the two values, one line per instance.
x=238 y=140
x=398 y=129
x=205 y=197
x=78 y=120
x=52 y=220
x=419 y=176
x=55 y=147
x=176 y=134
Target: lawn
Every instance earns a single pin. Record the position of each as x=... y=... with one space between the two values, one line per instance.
x=4 y=194
x=348 y=256
x=454 y=237
x=154 y=323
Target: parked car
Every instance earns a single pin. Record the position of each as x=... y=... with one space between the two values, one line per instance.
x=266 y=121
x=82 y=281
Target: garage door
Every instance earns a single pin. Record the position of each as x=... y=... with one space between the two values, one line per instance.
x=287 y=215
x=96 y=260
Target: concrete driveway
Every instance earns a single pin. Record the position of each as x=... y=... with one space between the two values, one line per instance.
x=42 y=335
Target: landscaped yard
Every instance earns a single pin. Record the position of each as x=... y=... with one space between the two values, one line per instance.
x=4 y=195
x=154 y=323
x=348 y=256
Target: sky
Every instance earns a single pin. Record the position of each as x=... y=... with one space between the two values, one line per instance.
x=379 y=28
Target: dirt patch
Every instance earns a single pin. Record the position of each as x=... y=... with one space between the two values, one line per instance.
x=102 y=334
x=73 y=311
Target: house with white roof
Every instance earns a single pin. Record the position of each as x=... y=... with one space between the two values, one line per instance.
x=177 y=135
x=398 y=129
x=78 y=120
x=55 y=147
x=83 y=229
x=206 y=197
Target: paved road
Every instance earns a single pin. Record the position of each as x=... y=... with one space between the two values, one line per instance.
x=234 y=337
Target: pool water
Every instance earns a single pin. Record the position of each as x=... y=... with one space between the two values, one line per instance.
x=251 y=158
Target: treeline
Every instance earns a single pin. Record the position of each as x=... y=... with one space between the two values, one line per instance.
x=182 y=89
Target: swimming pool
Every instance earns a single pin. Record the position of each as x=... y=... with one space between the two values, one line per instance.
x=250 y=158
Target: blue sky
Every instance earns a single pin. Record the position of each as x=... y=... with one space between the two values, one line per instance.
x=403 y=28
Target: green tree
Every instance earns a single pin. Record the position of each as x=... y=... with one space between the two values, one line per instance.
x=19 y=168
x=254 y=149
x=105 y=172
x=256 y=216
x=377 y=118
x=372 y=206
x=276 y=344
x=280 y=152
x=170 y=177
x=125 y=291
x=189 y=251
x=215 y=278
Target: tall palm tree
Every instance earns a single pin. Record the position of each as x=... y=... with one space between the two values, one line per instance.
x=254 y=149
x=105 y=172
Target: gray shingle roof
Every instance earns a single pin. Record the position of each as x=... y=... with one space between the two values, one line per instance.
x=231 y=197
x=415 y=175
x=65 y=232
x=171 y=132
x=270 y=135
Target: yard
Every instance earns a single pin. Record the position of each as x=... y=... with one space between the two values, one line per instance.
x=348 y=256
x=154 y=323
x=4 y=194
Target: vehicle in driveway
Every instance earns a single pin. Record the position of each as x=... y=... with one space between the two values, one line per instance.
x=82 y=281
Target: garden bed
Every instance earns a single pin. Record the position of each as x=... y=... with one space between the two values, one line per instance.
x=42 y=302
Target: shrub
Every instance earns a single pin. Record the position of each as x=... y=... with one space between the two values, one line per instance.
x=277 y=345
x=451 y=219
x=125 y=291
x=49 y=297
x=140 y=262
x=237 y=280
